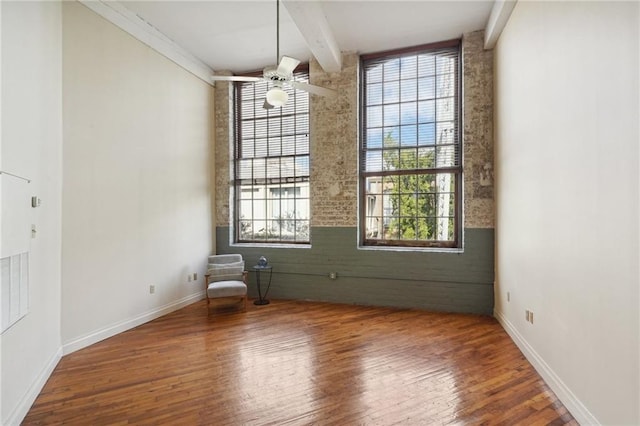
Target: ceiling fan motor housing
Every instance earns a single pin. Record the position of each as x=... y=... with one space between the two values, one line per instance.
x=272 y=74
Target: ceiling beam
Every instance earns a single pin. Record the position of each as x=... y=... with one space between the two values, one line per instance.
x=312 y=24
x=498 y=19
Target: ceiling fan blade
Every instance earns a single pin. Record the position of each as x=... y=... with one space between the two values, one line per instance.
x=234 y=78
x=287 y=65
x=267 y=105
x=316 y=90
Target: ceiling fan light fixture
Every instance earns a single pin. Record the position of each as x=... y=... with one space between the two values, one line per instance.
x=277 y=97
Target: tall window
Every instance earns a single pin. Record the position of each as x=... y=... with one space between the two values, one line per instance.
x=271 y=165
x=410 y=153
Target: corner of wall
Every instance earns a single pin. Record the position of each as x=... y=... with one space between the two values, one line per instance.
x=24 y=405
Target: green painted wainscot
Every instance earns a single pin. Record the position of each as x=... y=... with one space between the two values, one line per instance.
x=435 y=281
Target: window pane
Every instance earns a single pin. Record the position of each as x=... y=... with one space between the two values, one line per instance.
x=374 y=74
x=426 y=111
x=408 y=90
x=426 y=65
x=302 y=144
x=302 y=166
x=261 y=147
x=374 y=117
x=301 y=102
x=248 y=131
x=247 y=148
x=258 y=110
x=288 y=126
x=273 y=168
x=391 y=136
x=408 y=159
x=408 y=67
x=374 y=138
x=391 y=92
x=260 y=127
x=445 y=85
x=287 y=166
x=244 y=169
x=302 y=230
x=408 y=135
x=445 y=156
x=374 y=94
x=391 y=70
x=427 y=158
x=247 y=110
x=427 y=134
x=373 y=161
x=444 y=109
x=246 y=230
x=408 y=113
x=391 y=159
x=446 y=133
x=391 y=115
x=427 y=88
x=259 y=168
x=302 y=123
x=288 y=145
x=302 y=208
x=275 y=129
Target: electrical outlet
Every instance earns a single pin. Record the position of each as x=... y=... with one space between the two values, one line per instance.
x=195 y=276
x=508 y=296
x=528 y=315
x=152 y=289
x=333 y=275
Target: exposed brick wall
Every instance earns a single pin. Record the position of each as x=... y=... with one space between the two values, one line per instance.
x=478 y=132
x=223 y=153
x=334 y=142
x=334 y=146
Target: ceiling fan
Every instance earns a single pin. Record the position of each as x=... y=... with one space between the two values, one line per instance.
x=279 y=76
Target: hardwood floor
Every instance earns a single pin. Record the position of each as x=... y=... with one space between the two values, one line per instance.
x=296 y=363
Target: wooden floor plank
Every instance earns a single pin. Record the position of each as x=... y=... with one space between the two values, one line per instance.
x=300 y=363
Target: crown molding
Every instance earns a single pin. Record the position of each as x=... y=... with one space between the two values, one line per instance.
x=128 y=21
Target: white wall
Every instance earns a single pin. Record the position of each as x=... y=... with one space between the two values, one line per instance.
x=32 y=146
x=138 y=137
x=567 y=137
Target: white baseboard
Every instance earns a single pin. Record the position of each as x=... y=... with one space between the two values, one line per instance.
x=25 y=403
x=119 y=327
x=562 y=391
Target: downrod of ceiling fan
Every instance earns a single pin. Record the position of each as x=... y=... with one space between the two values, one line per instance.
x=277 y=31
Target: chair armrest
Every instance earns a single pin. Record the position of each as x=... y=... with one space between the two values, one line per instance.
x=245 y=274
x=206 y=281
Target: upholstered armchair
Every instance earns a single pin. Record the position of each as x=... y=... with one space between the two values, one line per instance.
x=226 y=279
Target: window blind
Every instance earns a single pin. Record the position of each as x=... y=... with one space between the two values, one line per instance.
x=411 y=110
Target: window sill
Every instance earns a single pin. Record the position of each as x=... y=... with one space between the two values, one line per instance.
x=271 y=245
x=456 y=250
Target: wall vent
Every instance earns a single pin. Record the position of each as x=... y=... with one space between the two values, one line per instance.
x=14 y=273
